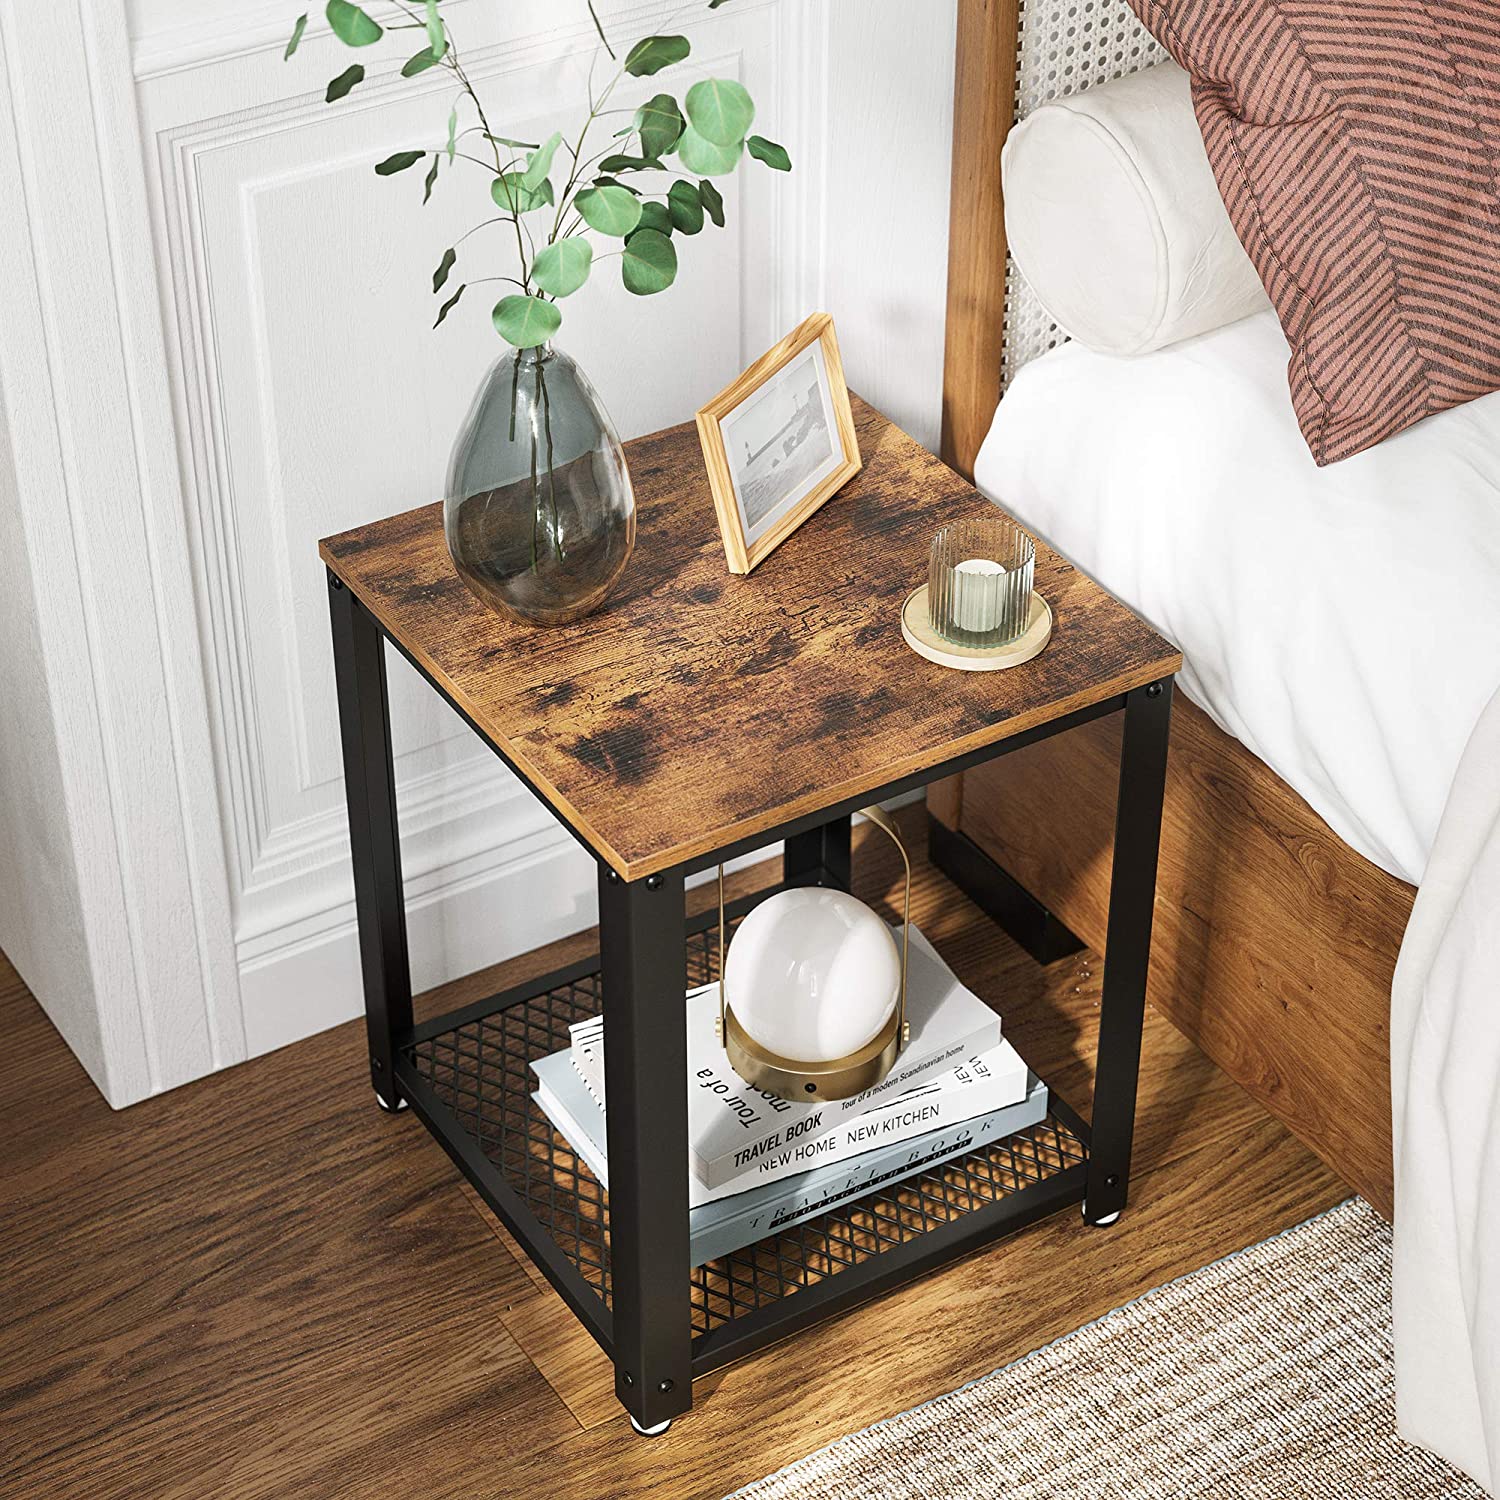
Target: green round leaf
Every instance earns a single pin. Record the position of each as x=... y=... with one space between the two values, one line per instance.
x=685 y=207
x=655 y=216
x=419 y=63
x=399 y=162
x=511 y=193
x=653 y=53
x=560 y=269
x=297 y=31
x=525 y=321
x=660 y=124
x=338 y=87
x=351 y=25
x=649 y=264
x=704 y=157
x=769 y=152
x=720 y=110
x=539 y=163
x=713 y=201
x=610 y=210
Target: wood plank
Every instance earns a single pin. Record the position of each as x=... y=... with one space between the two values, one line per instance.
x=699 y=708
x=984 y=108
x=259 y=1286
x=1275 y=942
x=254 y=1286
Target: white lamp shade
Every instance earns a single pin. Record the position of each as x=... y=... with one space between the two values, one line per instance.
x=812 y=975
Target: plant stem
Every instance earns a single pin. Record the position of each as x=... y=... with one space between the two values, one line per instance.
x=541 y=382
x=595 y=107
x=536 y=508
x=600 y=29
x=451 y=61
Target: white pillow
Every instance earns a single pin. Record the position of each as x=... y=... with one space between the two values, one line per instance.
x=1114 y=218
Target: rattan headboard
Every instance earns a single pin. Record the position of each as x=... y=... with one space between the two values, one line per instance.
x=1013 y=55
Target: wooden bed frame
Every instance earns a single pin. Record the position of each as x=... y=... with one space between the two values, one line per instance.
x=1275 y=942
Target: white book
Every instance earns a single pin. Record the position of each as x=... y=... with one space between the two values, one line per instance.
x=732 y=1127
x=981 y=1084
x=725 y=1218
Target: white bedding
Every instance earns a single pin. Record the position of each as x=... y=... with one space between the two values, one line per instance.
x=1445 y=1093
x=1344 y=623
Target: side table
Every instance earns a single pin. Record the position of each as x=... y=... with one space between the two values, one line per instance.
x=699 y=717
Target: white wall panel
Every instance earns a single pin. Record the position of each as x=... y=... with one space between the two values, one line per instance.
x=82 y=378
x=888 y=138
x=306 y=392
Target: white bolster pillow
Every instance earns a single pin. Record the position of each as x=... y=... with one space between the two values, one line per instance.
x=1114 y=218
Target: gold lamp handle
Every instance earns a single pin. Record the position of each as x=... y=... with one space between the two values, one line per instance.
x=882 y=820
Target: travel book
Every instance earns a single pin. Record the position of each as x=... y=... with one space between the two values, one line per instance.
x=981 y=1083
x=725 y=1218
x=732 y=1126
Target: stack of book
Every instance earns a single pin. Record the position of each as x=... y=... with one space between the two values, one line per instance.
x=758 y=1164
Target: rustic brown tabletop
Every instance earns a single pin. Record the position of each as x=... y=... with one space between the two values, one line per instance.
x=698 y=709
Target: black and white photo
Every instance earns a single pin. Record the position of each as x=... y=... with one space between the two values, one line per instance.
x=779 y=442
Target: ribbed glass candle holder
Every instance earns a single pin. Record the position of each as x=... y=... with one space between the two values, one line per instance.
x=979 y=581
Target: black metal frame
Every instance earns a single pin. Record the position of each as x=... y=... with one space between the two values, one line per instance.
x=639 y=1306
x=999 y=894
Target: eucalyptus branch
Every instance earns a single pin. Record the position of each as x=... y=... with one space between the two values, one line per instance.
x=564 y=197
x=483 y=224
x=668 y=145
x=455 y=65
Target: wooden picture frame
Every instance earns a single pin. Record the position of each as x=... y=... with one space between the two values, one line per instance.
x=776 y=447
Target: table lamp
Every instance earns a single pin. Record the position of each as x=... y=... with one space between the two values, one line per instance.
x=812 y=992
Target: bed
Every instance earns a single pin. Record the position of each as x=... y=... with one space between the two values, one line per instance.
x=1311 y=762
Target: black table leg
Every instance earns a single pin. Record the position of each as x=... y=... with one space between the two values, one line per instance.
x=1127 y=953
x=821 y=856
x=643 y=960
x=370 y=785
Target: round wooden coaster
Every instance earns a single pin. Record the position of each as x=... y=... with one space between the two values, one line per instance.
x=916 y=628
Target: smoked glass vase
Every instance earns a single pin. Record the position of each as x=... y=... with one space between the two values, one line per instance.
x=539 y=515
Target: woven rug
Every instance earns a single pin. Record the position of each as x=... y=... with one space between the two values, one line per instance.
x=1266 y=1376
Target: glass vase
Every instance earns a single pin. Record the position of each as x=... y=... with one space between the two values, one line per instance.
x=539 y=515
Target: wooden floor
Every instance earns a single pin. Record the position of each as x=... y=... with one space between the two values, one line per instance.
x=260 y=1286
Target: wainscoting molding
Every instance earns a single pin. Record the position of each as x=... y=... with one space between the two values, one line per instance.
x=488 y=873
x=218 y=348
x=115 y=909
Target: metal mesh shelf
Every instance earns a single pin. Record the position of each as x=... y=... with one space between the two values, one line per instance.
x=478 y=1070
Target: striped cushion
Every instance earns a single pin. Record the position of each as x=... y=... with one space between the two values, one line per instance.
x=1357 y=147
